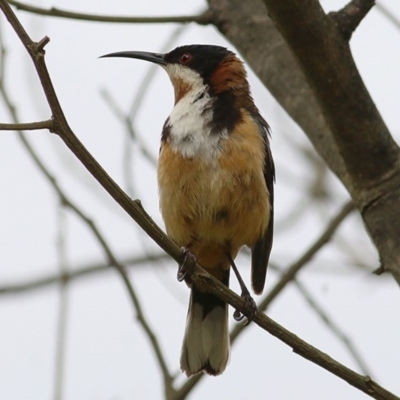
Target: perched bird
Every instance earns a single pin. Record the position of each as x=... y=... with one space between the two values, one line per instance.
x=215 y=177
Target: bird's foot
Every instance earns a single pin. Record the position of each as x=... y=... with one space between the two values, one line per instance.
x=183 y=269
x=250 y=308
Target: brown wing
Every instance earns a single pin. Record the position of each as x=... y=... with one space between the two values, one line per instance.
x=262 y=249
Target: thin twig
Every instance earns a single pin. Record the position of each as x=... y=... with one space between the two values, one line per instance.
x=202 y=19
x=28 y=126
x=389 y=15
x=127 y=147
x=29 y=285
x=63 y=307
x=116 y=109
x=333 y=326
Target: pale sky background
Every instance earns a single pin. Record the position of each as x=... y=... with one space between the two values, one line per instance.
x=107 y=355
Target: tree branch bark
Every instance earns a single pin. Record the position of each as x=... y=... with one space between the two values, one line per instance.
x=349 y=17
x=202 y=19
x=326 y=60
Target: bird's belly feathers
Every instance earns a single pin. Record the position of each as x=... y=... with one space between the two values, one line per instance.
x=215 y=203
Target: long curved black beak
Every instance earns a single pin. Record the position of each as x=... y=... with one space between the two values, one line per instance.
x=141 y=55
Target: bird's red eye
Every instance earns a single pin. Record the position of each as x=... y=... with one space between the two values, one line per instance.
x=185 y=58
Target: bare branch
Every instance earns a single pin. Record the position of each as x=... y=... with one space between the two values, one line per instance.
x=125 y=120
x=349 y=17
x=82 y=271
x=28 y=126
x=62 y=307
x=202 y=19
x=336 y=330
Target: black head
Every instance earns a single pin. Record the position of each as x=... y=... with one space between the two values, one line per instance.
x=203 y=59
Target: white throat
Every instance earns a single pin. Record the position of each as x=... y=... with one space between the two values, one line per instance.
x=190 y=121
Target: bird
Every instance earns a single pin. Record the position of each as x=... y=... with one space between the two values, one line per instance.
x=216 y=187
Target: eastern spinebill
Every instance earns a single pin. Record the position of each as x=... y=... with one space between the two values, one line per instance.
x=215 y=178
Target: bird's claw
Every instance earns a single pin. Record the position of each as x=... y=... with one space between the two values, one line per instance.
x=181 y=273
x=183 y=268
x=250 y=307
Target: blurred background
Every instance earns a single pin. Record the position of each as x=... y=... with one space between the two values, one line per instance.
x=80 y=338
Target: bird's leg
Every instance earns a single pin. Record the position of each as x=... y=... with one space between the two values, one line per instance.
x=250 y=304
x=183 y=268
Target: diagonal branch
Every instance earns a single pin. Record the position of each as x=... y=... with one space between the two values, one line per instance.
x=133 y=136
x=202 y=19
x=336 y=330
